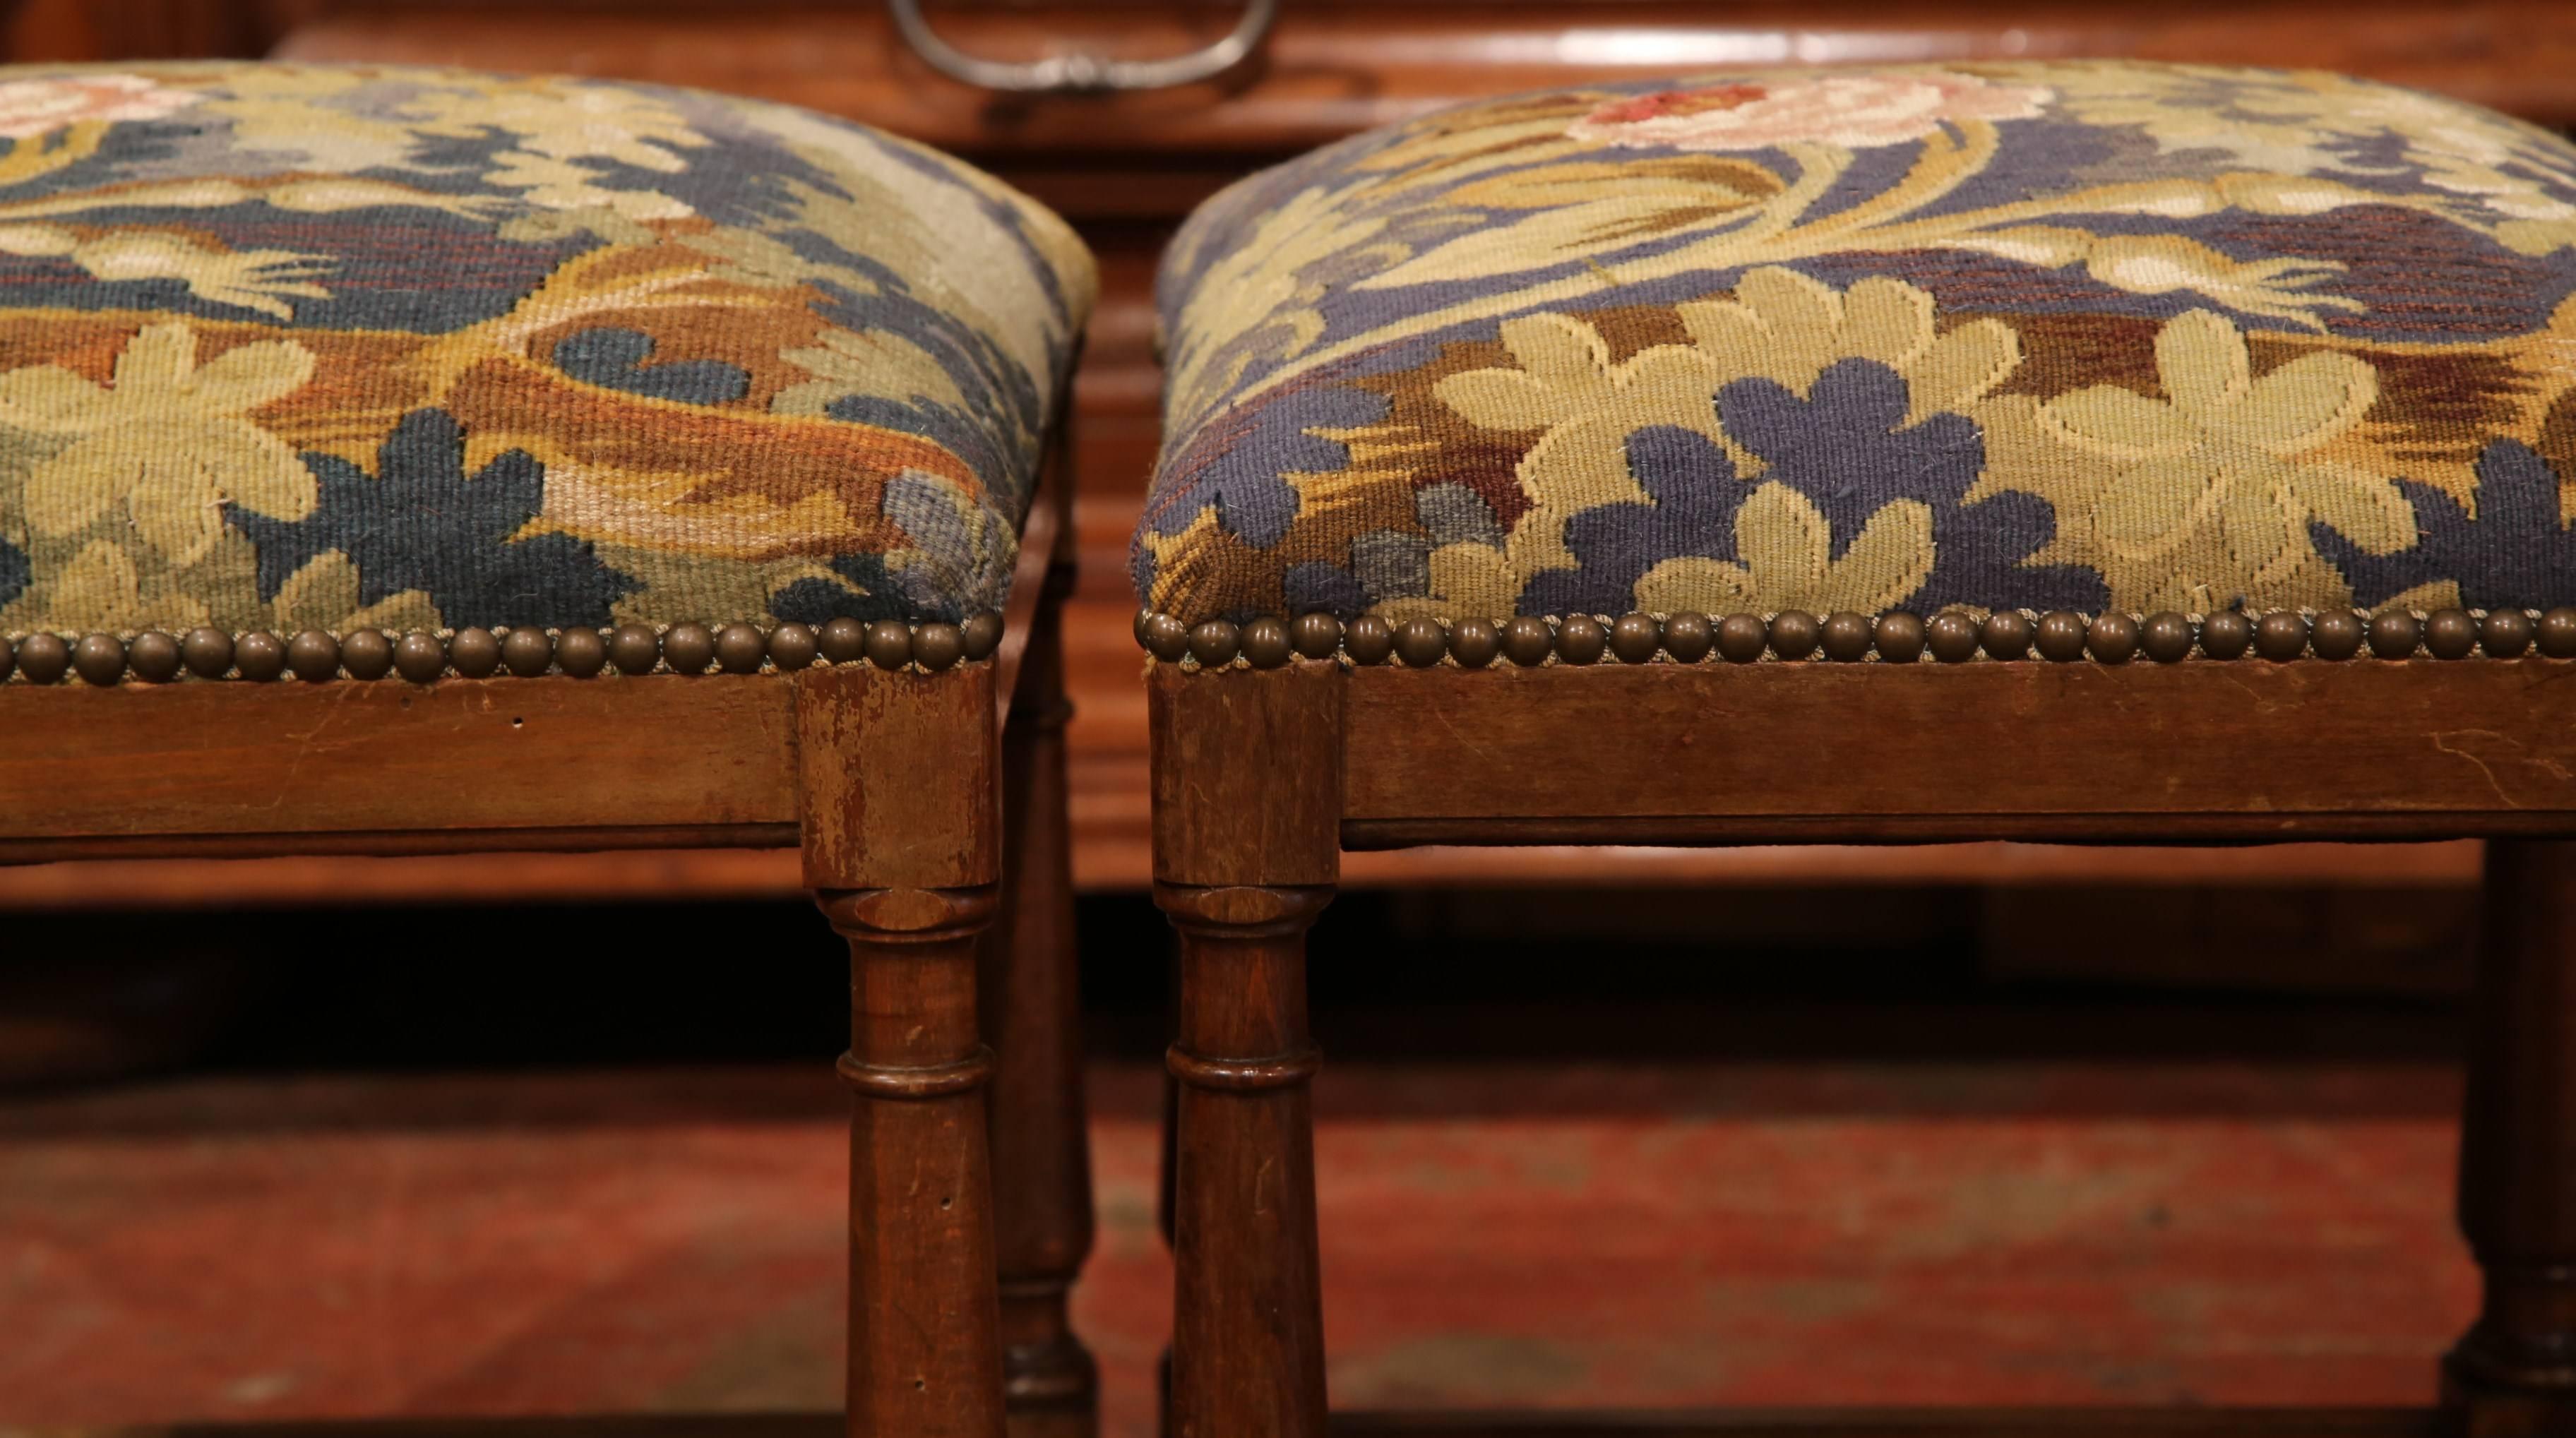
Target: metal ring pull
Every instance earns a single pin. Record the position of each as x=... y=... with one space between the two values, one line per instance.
x=1080 y=72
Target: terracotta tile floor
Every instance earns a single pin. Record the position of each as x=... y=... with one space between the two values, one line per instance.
x=1798 y=1232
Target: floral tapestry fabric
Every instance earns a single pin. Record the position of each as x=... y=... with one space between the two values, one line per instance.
x=2014 y=336
x=306 y=347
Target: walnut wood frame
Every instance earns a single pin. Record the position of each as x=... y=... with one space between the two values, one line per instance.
x=1262 y=776
x=930 y=811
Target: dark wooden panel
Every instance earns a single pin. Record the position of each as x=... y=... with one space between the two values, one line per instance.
x=1722 y=753
x=705 y=753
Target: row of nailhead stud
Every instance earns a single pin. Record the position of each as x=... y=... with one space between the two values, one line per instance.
x=314 y=656
x=1950 y=637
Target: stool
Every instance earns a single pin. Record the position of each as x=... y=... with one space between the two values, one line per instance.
x=2052 y=451
x=408 y=460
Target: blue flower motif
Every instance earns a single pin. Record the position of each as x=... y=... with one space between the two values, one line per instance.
x=1696 y=494
x=1847 y=448
x=962 y=553
x=959 y=562
x=616 y=359
x=2514 y=554
x=15 y=570
x=423 y=523
x=1239 y=465
x=1315 y=587
x=872 y=593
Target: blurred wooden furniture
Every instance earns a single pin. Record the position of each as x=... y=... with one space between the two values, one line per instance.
x=1126 y=168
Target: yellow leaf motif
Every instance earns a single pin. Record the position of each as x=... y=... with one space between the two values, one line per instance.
x=167 y=440
x=1789 y=562
x=2214 y=487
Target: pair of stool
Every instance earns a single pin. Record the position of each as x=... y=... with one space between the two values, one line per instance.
x=2050 y=451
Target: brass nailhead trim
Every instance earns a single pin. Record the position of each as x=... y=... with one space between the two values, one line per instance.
x=317 y=657
x=1949 y=637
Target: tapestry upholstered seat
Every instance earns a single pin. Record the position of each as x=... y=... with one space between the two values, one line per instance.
x=2089 y=337
x=302 y=349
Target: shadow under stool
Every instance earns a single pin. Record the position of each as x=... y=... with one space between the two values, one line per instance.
x=2067 y=452
x=406 y=461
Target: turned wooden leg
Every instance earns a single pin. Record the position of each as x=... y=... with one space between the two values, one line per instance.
x=898 y=785
x=1033 y=1014
x=1248 y=1317
x=925 y=1347
x=2514 y=1374
x=1247 y=771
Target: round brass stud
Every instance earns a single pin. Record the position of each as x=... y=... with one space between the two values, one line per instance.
x=2556 y=633
x=791 y=647
x=2006 y=634
x=153 y=656
x=1266 y=644
x=1794 y=633
x=313 y=657
x=208 y=652
x=2166 y=637
x=739 y=649
x=1420 y=642
x=99 y=659
x=1137 y=625
x=1688 y=636
x=2060 y=636
x=581 y=653
x=1951 y=636
x=938 y=645
x=1846 y=636
x=1474 y=643
x=2336 y=634
x=1166 y=638
x=2281 y=635
x=419 y=657
x=1580 y=639
x=2111 y=638
x=2451 y=634
x=2505 y=633
x=2226 y=635
x=2395 y=634
x=1741 y=638
x=687 y=648
x=889 y=644
x=633 y=648
x=258 y=655
x=44 y=658
x=1214 y=643
x=367 y=654
x=1315 y=636
x=476 y=654
x=527 y=652
x=982 y=633
x=1527 y=641
x=1636 y=638
x=1368 y=639
x=1899 y=637
x=841 y=641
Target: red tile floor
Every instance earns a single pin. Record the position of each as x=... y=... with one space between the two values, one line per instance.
x=2153 y=1229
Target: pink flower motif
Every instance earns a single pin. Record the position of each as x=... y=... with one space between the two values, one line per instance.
x=1852 y=110
x=29 y=108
